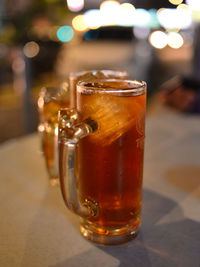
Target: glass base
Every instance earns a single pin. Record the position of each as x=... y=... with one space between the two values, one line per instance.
x=109 y=236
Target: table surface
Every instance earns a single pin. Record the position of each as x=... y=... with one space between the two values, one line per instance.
x=36 y=229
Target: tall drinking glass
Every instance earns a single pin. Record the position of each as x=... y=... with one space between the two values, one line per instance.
x=75 y=77
x=50 y=100
x=101 y=147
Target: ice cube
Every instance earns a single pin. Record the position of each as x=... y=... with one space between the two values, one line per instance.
x=51 y=110
x=97 y=74
x=114 y=115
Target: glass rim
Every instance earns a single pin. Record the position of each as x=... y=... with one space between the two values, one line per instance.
x=53 y=93
x=120 y=73
x=137 y=88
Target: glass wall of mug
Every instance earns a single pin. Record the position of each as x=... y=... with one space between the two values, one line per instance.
x=102 y=142
x=75 y=77
x=50 y=100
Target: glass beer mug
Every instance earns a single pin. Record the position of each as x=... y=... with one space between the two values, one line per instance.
x=101 y=147
x=50 y=100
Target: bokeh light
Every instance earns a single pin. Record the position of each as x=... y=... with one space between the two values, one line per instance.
x=125 y=14
x=153 y=23
x=75 y=5
x=109 y=5
x=174 y=18
x=195 y=8
x=65 y=33
x=196 y=15
x=141 y=33
x=141 y=18
x=79 y=24
x=184 y=7
x=110 y=12
x=127 y=6
x=176 y=2
x=31 y=49
x=18 y=65
x=158 y=39
x=175 y=40
x=92 y=18
x=193 y=4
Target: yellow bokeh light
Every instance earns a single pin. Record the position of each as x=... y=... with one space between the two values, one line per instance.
x=160 y=10
x=196 y=15
x=184 y=7
x=110 y=12
x=175 y=2
x=126 y=14
x=127 y=6
x=158 y=39
x=175 y=40
x=109 y=5
x=79 y=24
x=31 y=49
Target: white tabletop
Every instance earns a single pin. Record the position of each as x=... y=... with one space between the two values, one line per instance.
x=36 y=229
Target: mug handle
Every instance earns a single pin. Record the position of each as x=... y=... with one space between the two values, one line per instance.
x=70 y=131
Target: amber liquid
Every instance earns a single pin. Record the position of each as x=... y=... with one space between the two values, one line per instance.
x=48 y=148
x=49 y=139
x=111 y=159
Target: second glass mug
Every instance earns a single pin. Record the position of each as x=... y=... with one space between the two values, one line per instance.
x=101 y=147
x=50 y=100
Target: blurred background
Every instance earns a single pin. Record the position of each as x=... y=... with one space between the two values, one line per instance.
x=41 y=41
